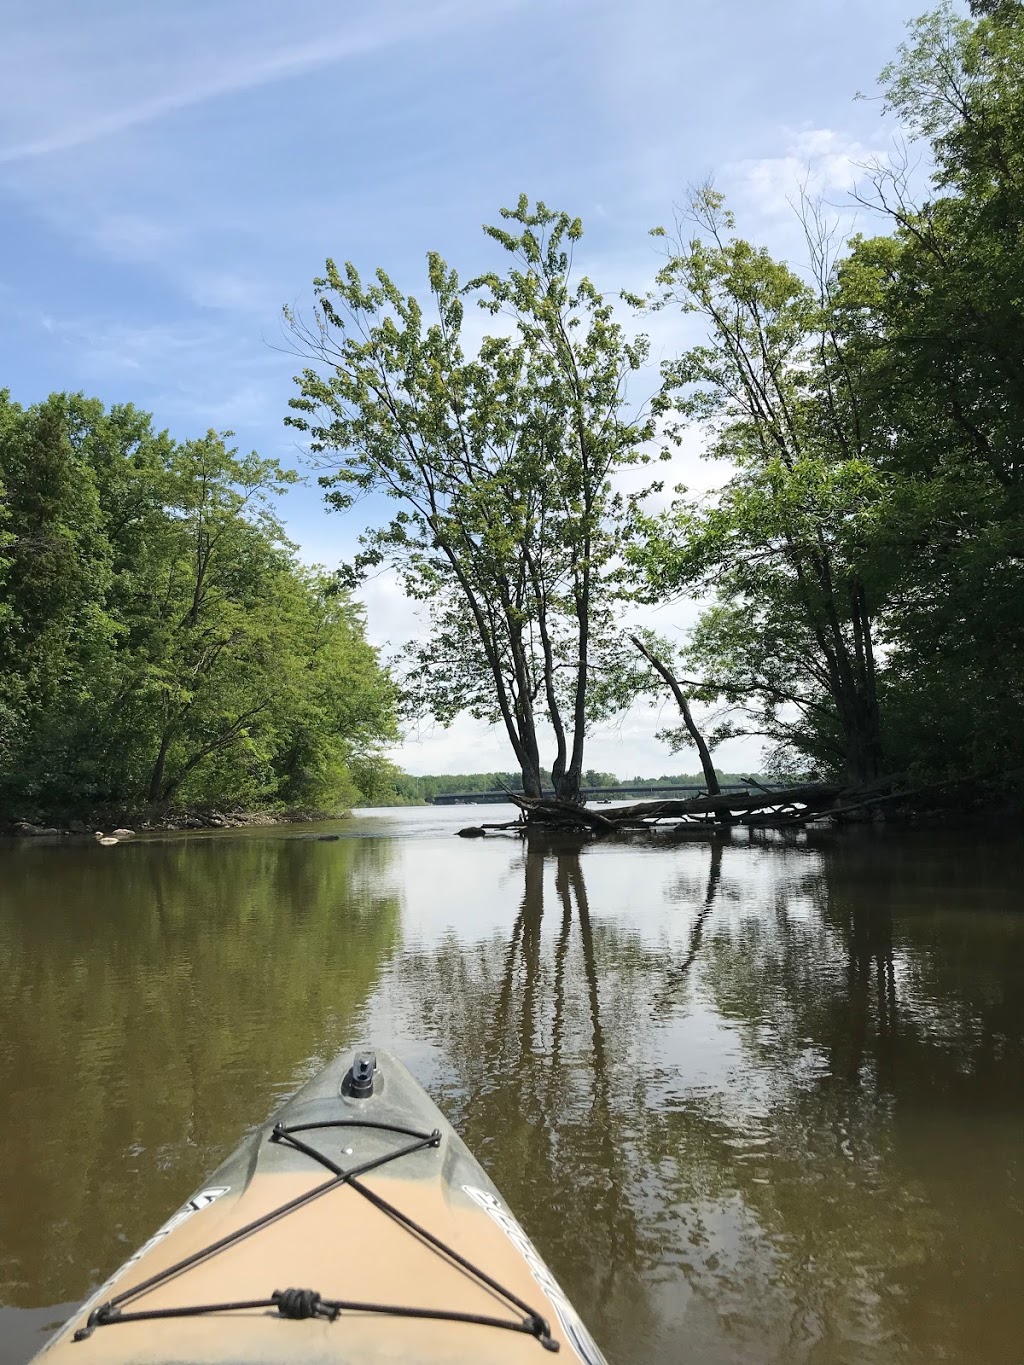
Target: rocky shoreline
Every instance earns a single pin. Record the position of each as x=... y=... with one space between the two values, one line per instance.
x=124 y=825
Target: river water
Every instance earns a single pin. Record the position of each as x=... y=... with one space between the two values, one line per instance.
x=754 y=1102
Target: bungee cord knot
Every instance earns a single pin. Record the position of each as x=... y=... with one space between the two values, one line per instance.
x=303 y=1303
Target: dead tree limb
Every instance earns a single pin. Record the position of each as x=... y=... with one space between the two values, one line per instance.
x=551 y=810
x=698 y=813
x=710 y=776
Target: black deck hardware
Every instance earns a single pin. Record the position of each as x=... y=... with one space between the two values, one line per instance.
x=358 y=1084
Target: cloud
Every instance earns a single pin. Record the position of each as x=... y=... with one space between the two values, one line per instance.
x=233 y=291
x=195 y=375
x=392 y=617
x=193 y=73
x=626 y=746
x=822 y=161
x=628 y=749
x=132 y=236
x=108 y=349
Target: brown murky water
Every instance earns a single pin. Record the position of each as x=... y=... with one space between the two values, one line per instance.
x=755 y=1103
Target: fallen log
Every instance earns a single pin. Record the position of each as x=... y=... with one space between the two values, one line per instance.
x=875 y=794
x=717 y=812
x=774 y=808
x=552 y=810
x=480 y=831
x=812 y=794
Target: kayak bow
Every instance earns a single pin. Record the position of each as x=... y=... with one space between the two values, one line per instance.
x=355 y=1226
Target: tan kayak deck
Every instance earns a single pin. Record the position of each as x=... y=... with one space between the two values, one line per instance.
x=344 y=1248
x=341 y=1246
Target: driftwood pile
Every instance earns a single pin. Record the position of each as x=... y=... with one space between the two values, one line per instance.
x=764 y=808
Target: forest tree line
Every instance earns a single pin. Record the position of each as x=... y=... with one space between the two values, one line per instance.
x=861 y=565
x=161 y=645
x=404 y=789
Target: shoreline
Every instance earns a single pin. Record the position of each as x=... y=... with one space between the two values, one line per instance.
x=142 y=822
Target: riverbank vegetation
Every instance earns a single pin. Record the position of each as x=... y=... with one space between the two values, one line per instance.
x=871 y=409
x=861 y=563
x=161 y=646
x=403 y=789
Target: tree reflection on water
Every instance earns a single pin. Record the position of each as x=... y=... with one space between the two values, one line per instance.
x=153 y=1009
x=730 y=1121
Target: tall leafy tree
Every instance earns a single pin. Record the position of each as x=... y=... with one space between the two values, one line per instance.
x=503 y=464
x=942 y=318
x=790 y=637
x=874 y=419
x=211 y=671
x=338 y=708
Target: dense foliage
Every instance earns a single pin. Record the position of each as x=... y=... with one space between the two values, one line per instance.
x=160 y=645
x=866 y=552
x=941 y=303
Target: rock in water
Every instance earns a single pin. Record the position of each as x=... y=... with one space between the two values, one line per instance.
x=472 y=832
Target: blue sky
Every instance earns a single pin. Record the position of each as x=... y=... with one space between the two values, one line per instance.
x=173 y=171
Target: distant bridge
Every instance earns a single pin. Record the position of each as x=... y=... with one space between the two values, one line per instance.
x=493 y=798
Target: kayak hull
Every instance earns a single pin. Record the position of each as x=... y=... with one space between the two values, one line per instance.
x=340 y=1241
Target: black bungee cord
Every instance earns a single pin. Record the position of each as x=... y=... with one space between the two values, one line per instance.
x=299 y=1304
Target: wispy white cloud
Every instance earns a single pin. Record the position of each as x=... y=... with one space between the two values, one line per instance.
x=107 y=349
x=62 y=114
x=132 y=236
x=628 y=748
x=819 y=161
x=192 y=374
x=392 y=617
x=233 y=291
x=235 y=405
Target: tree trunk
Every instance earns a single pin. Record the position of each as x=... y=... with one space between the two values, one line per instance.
x=867 y=757
x=156 y=780
x=531 y=779
x=574 y=773
x=710 y=776
x=864 y=758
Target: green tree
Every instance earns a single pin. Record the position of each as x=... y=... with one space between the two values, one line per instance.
x=338 y=709
x=55 y=629
x=160 y=644
x=939 y=304
x=503 y=465
x=790 y=638
x=874 y=418
x=213 y=666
